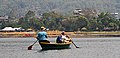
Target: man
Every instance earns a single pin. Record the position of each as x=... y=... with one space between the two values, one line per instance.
x=42 y=35
x=63 y=38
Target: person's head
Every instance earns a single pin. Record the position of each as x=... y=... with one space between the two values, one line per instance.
x=43 y=28
x=63 y=33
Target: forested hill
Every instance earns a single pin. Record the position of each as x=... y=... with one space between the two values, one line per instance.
x=20 y=7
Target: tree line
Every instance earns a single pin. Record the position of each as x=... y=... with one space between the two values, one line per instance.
x=55 y=21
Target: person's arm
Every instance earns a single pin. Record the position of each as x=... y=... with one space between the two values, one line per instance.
x=46 y=36
x=38 y=36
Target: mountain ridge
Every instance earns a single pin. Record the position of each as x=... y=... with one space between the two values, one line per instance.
x=20 y=7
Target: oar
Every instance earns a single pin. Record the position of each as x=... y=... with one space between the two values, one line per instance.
x=30 y=47
x=73 y=42
x=75 y=45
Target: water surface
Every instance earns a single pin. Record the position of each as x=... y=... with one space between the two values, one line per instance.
x=89 y=48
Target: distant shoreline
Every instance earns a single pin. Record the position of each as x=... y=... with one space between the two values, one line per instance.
x=54 y=34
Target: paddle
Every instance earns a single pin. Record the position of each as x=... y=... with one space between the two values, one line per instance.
x=30 y=47
x=75 y=45
x=72 y=42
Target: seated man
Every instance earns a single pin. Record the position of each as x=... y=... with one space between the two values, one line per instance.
x=42 y=35
x=63 y=38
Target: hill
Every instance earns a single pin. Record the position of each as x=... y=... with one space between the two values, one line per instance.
x=20 y=7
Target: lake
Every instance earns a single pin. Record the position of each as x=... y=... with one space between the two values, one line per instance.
x=106 y=47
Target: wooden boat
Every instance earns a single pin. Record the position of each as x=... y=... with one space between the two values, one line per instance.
x=52 y=46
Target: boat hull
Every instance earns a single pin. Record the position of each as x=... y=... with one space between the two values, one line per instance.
x=52 y=46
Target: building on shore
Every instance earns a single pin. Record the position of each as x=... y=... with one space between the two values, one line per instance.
x=115 y=15
x=12 y=29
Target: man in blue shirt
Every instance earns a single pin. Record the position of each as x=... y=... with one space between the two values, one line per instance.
x=42 y=35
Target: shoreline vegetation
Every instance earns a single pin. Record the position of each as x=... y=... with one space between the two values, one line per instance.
x=54 y=34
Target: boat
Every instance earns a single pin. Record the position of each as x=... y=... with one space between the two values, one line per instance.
x=53 y=46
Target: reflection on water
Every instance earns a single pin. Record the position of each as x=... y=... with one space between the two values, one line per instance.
x=89 y=48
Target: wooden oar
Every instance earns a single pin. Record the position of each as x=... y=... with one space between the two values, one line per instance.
x=75 y=45
x=30 y=47
x=72 y=42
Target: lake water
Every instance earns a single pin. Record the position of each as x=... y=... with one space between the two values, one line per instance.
x=89 y=48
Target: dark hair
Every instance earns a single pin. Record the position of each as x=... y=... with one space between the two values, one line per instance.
x=42 y=28
x=63 y=33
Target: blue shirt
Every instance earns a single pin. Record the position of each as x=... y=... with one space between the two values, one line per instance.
x=59 y=39
x=42 y=35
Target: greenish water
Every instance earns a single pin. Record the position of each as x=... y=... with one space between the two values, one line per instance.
x=89 y=48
